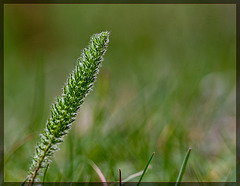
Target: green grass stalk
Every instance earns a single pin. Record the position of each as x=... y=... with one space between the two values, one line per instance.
x=144 y=171
x=64 y=111
x=183 y=167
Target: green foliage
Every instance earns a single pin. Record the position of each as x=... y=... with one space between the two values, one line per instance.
x=65 y=109
x=167 y=84
x=145 y=169
x=45 y=172
x=183 y=167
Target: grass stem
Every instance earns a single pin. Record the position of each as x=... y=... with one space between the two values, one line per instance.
x=120 y=177
x=144 y=171
x=183 y=167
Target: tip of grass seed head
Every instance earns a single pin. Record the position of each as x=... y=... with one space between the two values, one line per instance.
x=106 y=32
x=189 y=148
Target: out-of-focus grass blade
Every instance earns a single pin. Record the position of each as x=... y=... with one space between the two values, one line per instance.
x=135 y=175
x=197 y=174
x=145 y=169
x=45 y=172
x=99 y=172
x=131 y=177
x=183 y=167
x=59 y=177
x=18 y=145
x=120 y=177
x=22 y=184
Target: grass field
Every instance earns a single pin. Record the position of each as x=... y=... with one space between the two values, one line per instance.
x=167 y=83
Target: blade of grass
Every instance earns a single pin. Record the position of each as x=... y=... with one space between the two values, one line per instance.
x=197 y=175
x=135 y=175
x=59 y=177
x=45 y=172
x=18 y=145
x=120 y=177
x=144 y=171
x=183 y=167
x=22 y=184
x=39 y=93
x=131 y=177
x=99 y=172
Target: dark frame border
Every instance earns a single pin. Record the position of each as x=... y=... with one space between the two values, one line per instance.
x=236 y=2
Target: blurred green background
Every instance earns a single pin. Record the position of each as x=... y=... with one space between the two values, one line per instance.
x=168 y=82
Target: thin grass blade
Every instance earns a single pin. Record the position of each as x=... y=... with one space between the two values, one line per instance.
x=133 y=176
x=17 y=146
x=120 y=177
x=144 y=171
x=183 y=167
x=99 y=173
x=23 y=183
x=45 y=172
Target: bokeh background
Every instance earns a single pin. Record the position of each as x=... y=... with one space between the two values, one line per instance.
x=168 y=82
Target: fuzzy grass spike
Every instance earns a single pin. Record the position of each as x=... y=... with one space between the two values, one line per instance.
x=64 y=111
